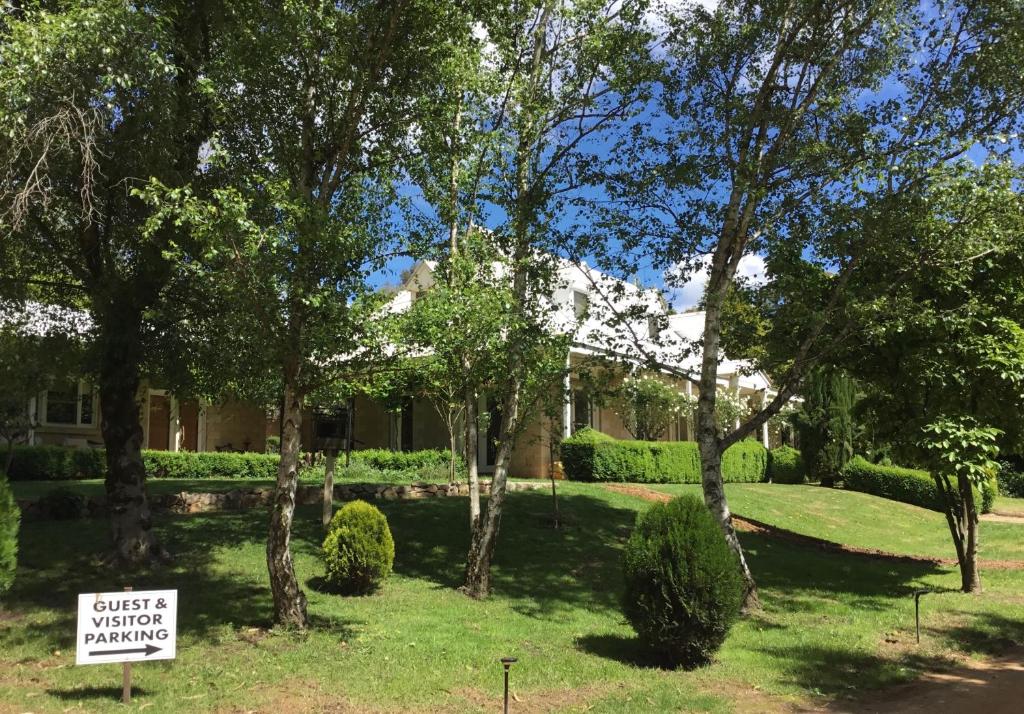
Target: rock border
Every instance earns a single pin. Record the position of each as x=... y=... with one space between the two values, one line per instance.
x=242 y=499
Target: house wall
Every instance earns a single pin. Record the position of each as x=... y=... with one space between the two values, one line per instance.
x=428 y=428
x=371 y=425
x=532 y=456
x=68 y=436
x=236 y=426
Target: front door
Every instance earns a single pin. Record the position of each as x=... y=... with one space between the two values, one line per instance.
x=159 y=422
x=188 y=415
x=406 y=429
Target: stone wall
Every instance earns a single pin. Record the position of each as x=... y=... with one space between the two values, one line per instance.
x=242 y=499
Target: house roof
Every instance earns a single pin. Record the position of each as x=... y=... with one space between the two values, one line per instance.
x=622 y=320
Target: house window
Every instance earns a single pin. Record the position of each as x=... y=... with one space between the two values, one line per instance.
x=72 y=404
x=580 y=303
x=582 y=415
x=653 y=328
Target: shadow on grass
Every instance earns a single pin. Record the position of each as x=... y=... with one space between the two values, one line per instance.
x=621 y=648
x=542 y=570
x=75 y=694
x=988 y=634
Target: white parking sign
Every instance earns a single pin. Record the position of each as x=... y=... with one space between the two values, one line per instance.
x=126 y=626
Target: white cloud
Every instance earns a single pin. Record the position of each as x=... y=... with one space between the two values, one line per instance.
x=751 y=271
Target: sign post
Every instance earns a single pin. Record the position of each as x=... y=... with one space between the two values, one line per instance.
x=126 y=627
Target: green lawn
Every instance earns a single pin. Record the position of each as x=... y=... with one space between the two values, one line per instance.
x=831 y=626
x=1014 y=506
x=862 y=520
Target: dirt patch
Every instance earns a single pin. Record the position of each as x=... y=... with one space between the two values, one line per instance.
x=1004 y=517
x=538 y=702
x=749 y=525
x=993 y=686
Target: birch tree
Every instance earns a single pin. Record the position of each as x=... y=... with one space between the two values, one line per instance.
x=318 y=124
x=770 y=114
x=570 y=72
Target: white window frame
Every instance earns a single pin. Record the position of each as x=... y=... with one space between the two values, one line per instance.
x=84 y=388
x=578 y=297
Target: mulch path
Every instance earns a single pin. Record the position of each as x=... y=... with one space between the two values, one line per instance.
x=992 y=686
x=749 y=525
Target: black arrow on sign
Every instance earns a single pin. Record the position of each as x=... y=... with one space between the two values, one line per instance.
x=148 y=650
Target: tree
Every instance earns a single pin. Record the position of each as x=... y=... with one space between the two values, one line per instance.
x=943 y=356
x=772 y=123
x=36 y=352
x=458 y=324
x=79 y=142
x=569 y=72
x=824 y=422
x=318 y=124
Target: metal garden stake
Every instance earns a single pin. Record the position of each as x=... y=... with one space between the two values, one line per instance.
x=917 y=611
x=507 y=663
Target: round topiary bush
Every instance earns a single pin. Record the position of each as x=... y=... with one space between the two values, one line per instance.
x=359 y=551
x=9 y=517
x=786 y=465
x=683 y=584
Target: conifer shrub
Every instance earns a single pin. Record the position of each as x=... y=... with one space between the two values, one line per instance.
x=358 y=551
x=683 y=584
x=786 y=465
x=10 y=517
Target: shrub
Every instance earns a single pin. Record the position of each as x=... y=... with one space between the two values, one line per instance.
x=56 y=463
x=9 y=520
x=911 y=486
x=359 y=551
x=745 y=462
x=1011 y=481
x=989 y=493
x=589 y=455
x=405 y=460
x=273 y=445
x=209 y=464
x=786 y=465
x=683 y=584
x=60 y=463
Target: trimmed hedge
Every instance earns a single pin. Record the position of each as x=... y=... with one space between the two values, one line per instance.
x=386 y=460
x=56 y=463
x=745 y=462
x=786 y=465
x=911 y=486
x=210 y=464
x=589 y=455
x=61 y=463
x=683 y=584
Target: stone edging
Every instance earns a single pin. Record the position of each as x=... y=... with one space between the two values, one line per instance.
x=305 y=495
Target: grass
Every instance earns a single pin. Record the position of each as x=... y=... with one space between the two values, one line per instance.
x=832 y=626
x=1013 y=506
x=862 y=520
